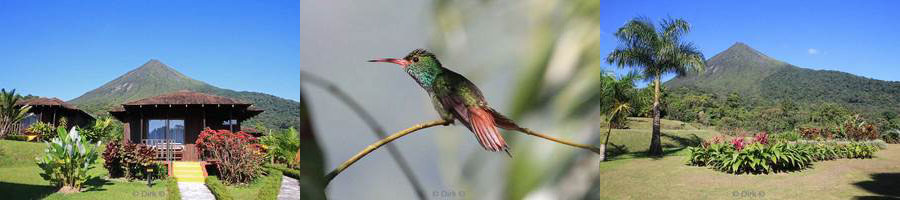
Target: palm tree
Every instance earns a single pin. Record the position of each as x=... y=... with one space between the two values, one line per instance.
x=656 y=53
x=10 y=114
x=618 y=95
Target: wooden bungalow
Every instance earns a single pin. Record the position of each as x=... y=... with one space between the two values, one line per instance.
x=172 y=122
x=51 y=110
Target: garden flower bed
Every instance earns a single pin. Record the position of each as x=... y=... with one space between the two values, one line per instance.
x=760 y=156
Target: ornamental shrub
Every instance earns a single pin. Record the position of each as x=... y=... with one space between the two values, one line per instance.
x=67 y=160
x=43 y=131
x=113 y=159
x=858 y=129
x=239 y=155
x=760 y=156
x=762 y=138
x=131 y=161
x=281 y=146
x=738 y=143
x=103 y=129
x=816 y=133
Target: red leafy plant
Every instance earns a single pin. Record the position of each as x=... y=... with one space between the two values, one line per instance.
x=738 y=143
x=715 y=140
x=130 y=160
x=858 y=129
x=762 y=138
x=239 y=156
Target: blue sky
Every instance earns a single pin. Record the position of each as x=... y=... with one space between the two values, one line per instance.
x=66 y=48
x=859 y=37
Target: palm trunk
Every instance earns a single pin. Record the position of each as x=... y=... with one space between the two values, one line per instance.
x=606 y=143
x=655 y=146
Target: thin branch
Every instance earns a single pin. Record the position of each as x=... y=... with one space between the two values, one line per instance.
x=380 y=143
x=561 y=141
x=429 y=124
x=370 y=121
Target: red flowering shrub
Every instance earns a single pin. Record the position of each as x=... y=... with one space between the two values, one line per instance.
x=738 y=143
x=239 y=156
x=762 y=138
x=129 y=160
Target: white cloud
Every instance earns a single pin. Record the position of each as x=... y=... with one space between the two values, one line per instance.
x=812 y=51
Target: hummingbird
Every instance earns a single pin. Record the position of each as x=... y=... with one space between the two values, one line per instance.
x=456 y=98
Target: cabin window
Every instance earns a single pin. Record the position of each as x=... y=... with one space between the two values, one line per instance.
x=157 y=129
x=31 y=118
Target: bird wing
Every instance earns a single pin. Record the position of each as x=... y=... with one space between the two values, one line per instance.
x=467 y=104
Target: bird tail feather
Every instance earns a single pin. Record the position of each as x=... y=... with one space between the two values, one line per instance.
x=504 y=122
x=485 y=128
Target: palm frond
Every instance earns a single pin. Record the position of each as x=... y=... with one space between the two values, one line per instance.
x=618 y=113
x=673 y=29
x=637 y=32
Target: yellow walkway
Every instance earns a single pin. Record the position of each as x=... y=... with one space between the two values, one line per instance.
x=188 y=172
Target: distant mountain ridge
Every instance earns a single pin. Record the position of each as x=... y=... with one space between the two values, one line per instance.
x=744 y=70
x=155 y=78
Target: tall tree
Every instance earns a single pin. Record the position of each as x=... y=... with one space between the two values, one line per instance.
x=656 y=53
x=616 y=104
x=10 y=114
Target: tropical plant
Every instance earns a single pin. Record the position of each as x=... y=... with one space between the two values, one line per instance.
x=67 y=160
x=133 y=161
x=43 y=131
x=62 y=122
x=619 y=95
x=760 y=156
x=240 y=157
x=281 y=146
x=103 y=129
x=113 y=159
x=856 y=128
x=656 y=53
x=616 y=104
x=10 y=113
x=616 y=114
x=816 y=133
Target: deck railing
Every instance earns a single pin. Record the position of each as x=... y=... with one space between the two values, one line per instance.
x=165 y=148
x=16 y=129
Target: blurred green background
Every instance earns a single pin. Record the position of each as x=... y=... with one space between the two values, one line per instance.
x=526 y=58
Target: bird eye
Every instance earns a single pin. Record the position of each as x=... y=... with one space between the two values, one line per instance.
x=415 y=59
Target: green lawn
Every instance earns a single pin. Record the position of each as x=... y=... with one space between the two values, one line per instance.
x=20 y=178
x=632 y=175
x=269 y=184
x=250 y=191
x=634 y=141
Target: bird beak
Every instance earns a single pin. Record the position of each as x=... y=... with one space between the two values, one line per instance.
x=400 y=62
